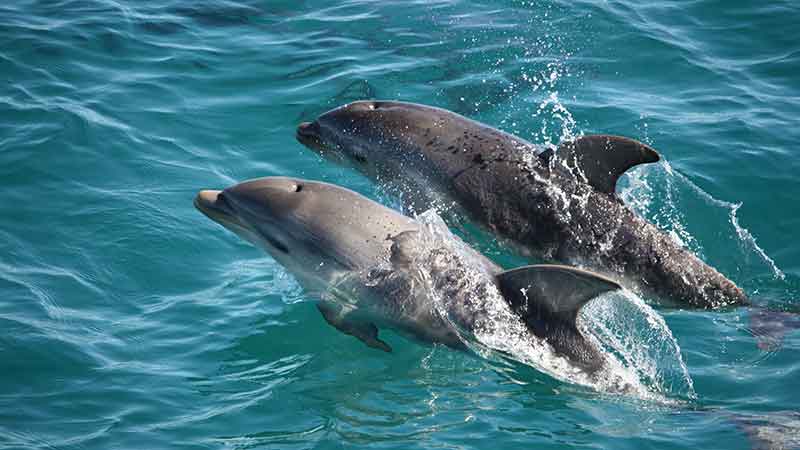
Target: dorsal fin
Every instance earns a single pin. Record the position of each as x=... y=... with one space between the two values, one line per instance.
x=603 y=158
x=548 y=298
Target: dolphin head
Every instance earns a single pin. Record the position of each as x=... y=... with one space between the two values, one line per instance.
x=379 y=138
x=314 y=229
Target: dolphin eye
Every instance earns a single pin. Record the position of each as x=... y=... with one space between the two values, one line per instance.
x=298 y=188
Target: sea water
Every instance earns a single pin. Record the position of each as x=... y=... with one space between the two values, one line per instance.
x=129 y=320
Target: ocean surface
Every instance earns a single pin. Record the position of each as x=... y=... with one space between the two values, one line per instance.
x=128 y=320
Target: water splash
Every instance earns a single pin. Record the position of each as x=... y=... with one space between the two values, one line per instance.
x=746 y=237
x=641 y=340
x=557 y=123
x=658 y=192
x=643 y=358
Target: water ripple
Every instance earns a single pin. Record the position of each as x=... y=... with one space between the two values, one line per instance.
x=130 y=321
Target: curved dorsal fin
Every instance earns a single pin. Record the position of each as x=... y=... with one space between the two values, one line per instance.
x=548 y=298
x=551 y=290
x=602 y=158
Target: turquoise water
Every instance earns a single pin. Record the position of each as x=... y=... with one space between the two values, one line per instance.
x=129 y=320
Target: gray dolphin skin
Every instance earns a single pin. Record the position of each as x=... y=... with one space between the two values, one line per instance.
x=555 y=205
x=362 y=262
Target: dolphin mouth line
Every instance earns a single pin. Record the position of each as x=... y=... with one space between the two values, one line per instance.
x=216 y=207
x=310 y=135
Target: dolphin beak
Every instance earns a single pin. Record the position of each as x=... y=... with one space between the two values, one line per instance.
x=212 y=203
x=308 y=129
x=308 y=134
x=206 y=199
x=207 y=196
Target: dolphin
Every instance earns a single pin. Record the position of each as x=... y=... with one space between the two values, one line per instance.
x=553 y=205
x=361 y=261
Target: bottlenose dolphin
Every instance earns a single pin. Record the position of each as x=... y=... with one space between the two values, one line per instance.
x=361 y=259
x=555 y=205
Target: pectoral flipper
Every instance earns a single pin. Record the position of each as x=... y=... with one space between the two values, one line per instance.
x=343 y=320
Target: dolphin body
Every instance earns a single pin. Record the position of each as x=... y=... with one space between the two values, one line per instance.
x=363 y=261
x=557 y=206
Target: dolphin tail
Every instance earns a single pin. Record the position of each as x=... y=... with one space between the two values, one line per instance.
x=772 y=431
x=548 y=298
x=769 y=326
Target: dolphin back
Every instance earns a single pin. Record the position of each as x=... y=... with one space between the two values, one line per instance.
x=548 y=298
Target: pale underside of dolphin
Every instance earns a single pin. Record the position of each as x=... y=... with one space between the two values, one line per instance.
x=557 y=205
x=362 y=260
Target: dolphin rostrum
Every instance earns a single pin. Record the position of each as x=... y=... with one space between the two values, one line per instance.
x=555 y=205
x=362 y=260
